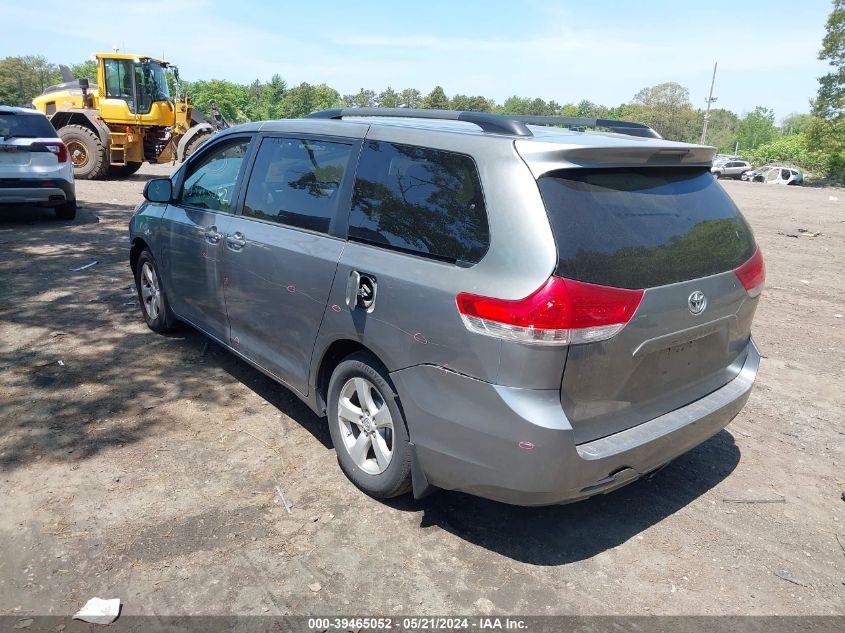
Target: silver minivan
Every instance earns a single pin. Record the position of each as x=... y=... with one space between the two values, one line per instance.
x=499 y=305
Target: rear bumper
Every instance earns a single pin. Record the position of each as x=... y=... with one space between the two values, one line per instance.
x=516 y=445
x=42 y=191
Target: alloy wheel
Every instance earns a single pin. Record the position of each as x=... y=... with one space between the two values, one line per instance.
x=366 y=425
x=150 y=291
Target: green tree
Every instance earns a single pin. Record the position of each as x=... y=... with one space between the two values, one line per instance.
x=472 y=104
x=796 y=123
x=23 y=78
x=233 y=99
x=756 y=128
x=794 y=149
x=722 y=130
x=436 y=100
x=410 y=98
x=362 y=99
x=827 y=131
x=270 y=99
x=304 y=99
x=388 y=98
x=830 y=102
x=86 y=70
x=666 y=108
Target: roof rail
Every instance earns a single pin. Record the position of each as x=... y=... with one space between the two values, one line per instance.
x=494 y=123
x=489 y=122
x=622 y=127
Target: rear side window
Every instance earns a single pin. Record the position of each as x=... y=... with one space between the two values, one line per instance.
x=640 y=228
x=297 y=182
x=419 y=200
x=25 y=126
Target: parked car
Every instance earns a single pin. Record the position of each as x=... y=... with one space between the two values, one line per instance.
x=475 y=302
x=775 y=175
x=733 y=168
x=34 y=165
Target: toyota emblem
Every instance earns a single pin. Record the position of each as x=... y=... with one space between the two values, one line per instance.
x=697 y=302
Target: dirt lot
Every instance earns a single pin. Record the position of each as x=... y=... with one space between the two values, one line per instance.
x=143 y=467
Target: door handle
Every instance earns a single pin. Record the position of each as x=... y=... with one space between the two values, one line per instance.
x=236 y=241
x=212 y=236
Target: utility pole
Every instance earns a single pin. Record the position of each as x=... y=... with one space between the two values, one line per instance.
x=710 y=100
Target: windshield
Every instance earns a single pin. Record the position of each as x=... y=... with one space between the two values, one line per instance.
x=151 y=82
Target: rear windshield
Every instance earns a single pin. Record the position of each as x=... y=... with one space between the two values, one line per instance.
x=640 y=228
x=25 y=126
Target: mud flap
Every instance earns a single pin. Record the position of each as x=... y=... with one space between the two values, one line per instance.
x=421 y=486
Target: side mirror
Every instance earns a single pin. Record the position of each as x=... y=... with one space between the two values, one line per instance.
x=158 y=190
x=83 y=84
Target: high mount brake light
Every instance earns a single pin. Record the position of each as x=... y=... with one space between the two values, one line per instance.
x=752 y=274
x=560 y=312
x=57 y=148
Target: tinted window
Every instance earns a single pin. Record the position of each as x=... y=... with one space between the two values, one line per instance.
x=26 y=126
x=639 y=228
x=419 y=200
x=297 y=182
x=210 y=184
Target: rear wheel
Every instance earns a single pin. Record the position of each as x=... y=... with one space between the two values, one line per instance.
x=66 y=210
x=151 y=295
x=87 y=154
x=367 y=427
x=123 y=171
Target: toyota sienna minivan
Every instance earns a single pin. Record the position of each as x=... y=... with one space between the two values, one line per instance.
x=498 y=305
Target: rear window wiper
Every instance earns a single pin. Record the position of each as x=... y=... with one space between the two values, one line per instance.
x=8 y=136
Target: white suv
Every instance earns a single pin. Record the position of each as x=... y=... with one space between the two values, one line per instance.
x=34 y=163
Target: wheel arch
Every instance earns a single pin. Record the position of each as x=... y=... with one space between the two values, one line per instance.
x=138 y=247
x=83 y=118
x=330 y=358
x=193 y=132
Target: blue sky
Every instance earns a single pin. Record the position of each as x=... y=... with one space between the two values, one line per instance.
x=600 y=50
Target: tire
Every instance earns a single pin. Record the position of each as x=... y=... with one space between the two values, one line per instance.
x=717 y=175
x=155 y=307
x=363 y=373
x=194 y=144
x=123 y=171
x=66 y=210
x=87 y=154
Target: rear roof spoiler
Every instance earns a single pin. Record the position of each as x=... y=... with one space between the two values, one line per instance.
x=489 y=122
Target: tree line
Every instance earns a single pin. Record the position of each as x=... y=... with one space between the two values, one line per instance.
x=814 y=141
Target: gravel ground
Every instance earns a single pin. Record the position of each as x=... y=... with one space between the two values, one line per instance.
x=143 y=467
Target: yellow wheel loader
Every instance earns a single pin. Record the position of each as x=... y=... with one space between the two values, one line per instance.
x=127 y=118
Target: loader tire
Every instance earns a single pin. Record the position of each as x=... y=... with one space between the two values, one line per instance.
x=194 y=144
x=124 y=171
x=87 y=154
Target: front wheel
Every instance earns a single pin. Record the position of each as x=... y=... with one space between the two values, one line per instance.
x=154 y=305
x=367 y=427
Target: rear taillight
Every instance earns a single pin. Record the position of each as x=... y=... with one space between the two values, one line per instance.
x=752 y=274
x=59 y=149
x=560 y=312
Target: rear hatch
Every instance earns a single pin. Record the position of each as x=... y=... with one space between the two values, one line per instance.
x=675 y=234
x=29 y=146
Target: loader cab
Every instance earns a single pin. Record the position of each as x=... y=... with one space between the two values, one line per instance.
x=134 y=90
